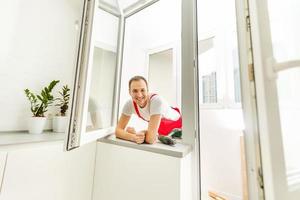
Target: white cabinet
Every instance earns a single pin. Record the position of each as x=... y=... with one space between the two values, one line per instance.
x=129 y=173
x=2 y=165
x=45 y=172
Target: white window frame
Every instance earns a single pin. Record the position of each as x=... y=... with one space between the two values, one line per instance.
x=76 y=134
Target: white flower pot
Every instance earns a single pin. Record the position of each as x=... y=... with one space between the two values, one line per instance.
x=36 y=124
x=59 y=124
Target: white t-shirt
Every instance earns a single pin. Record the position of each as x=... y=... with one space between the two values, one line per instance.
x=156 y=106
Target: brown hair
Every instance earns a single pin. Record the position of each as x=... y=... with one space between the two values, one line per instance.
x=137 y=78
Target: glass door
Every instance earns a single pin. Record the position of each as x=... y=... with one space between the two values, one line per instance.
x=276 y=50
x=94 y=97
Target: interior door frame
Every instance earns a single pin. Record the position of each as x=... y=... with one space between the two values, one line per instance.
x=255 y=183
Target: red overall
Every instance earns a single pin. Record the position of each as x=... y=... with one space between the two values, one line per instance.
x=166 y=125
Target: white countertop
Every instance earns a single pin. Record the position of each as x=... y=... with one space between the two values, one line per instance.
x=179 y=150
x=13 y=138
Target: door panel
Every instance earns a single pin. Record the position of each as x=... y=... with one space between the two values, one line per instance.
x=288 y=86
x=284 y=19
x=284 y=32
x=276 y=48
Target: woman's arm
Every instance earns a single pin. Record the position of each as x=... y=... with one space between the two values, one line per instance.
x=123 y=134
x=152 y=129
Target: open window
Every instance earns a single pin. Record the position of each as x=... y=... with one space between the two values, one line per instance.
x=94 y=96
x=152 y=39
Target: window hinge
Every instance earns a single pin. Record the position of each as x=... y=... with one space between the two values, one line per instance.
x=248 y=24
x=260 y=178
x=74 y=125
x=251 y=71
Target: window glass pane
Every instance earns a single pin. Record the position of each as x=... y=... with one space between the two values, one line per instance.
x=237 y=85
x=208 y=70
x=285 y=30
x=103 y=69
x=209 y=88
x=290 y=117
x=102 y=87
x=218 y=58
x=236 y=72
x=284 y=19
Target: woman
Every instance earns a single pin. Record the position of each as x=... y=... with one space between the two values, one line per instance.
x=161 y=117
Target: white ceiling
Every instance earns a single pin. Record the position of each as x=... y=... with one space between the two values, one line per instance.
x=127 y=3
x=123 y=4
x=113 y=3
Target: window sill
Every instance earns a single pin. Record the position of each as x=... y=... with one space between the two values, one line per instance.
x=179 y=150
x=15 y=138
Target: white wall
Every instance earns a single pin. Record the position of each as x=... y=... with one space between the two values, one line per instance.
x=220 y=152
x=39 y=45
x=160 y=75
x=38 y=42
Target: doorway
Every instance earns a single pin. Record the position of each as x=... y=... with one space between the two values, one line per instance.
x=221 y=121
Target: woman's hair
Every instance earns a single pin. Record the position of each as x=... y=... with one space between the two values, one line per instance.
x=137 y=78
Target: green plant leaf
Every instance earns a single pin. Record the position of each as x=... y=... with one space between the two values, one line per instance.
x=39 y=103
x=63 y=100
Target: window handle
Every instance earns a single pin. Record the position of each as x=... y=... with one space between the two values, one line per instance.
x=273 y=67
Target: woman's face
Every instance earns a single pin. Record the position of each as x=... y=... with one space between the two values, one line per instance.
x=139 y=92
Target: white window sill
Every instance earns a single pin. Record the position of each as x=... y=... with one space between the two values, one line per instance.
x=13 y=138
x=179 y=150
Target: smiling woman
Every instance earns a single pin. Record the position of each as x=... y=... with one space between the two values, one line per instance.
x=161 y=117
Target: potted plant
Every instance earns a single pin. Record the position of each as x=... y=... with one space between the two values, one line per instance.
x=38 y=106
x=60 y=121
